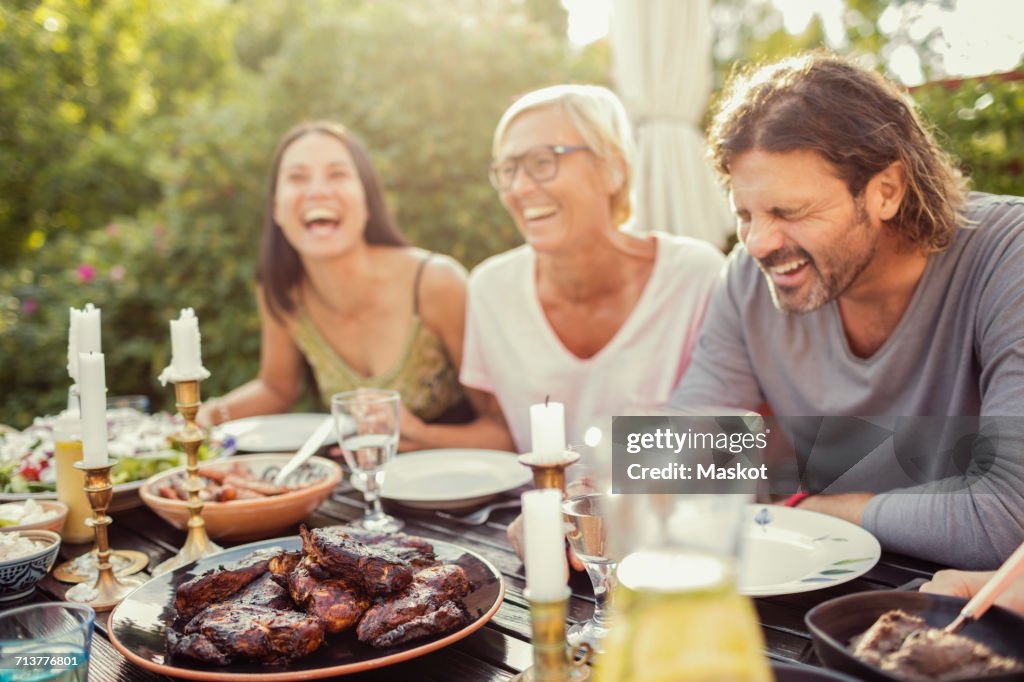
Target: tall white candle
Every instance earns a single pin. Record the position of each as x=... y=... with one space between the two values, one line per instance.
x=185 y=352
x=544 y=541
x=92 y=383
x=547 y=430
x=186 y=356
x=83 y=336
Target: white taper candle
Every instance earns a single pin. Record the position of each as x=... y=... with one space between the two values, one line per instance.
x=92 y=383
x=547 y=430
x=544 y=541
x=83 y=336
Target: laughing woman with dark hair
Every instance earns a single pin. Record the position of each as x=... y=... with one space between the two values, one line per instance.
x=342 y=292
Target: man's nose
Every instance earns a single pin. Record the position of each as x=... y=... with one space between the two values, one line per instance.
x=761 y=236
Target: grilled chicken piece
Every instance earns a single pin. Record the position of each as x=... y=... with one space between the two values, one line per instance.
x=428 y=606
x=415 y=550
x=264 y=591
x=232 y=632
x=282 y=565
x=220 y=583
x=377 y=569
x=338 y=602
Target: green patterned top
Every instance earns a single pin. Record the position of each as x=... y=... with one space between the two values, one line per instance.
x=424 y=375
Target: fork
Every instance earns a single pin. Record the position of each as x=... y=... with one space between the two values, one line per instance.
x=480 y=516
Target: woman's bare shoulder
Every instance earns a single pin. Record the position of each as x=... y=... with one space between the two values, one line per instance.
x=442 y=292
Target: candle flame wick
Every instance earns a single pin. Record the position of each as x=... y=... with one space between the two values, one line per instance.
x=546 y=399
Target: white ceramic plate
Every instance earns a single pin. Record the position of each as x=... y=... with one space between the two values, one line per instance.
x=273 y=432
x=791 y=550
x=452 y=479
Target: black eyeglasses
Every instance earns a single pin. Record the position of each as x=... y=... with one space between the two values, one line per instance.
x=540 y=163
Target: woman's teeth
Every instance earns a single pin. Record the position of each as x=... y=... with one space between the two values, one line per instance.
x=320 y=218
x=534 y=213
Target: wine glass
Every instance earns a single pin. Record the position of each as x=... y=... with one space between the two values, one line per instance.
x=587 y=533
x=367 y=423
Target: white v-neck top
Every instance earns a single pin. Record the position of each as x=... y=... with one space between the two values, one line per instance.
x=512 y=351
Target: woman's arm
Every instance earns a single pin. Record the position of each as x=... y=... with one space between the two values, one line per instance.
x=276 y=387
x=443 y=310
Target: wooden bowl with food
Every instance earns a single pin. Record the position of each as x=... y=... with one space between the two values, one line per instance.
x=241 y=501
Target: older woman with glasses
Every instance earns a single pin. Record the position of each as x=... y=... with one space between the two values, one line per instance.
x=587 y=312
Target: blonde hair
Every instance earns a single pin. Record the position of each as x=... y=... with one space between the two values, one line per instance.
x=601 y=120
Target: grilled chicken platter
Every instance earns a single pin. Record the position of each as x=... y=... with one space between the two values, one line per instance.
x=274 y=606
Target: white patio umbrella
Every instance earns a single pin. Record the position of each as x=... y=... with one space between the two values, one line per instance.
x=661 y=53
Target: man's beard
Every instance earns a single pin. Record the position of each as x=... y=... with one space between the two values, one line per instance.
x=842 y=263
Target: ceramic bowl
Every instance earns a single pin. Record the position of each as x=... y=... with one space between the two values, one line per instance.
x=254 y=519
x=835 y=622
x=18 y=577
x=56 y=524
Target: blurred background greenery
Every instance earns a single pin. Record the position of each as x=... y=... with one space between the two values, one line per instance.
x=135 y=139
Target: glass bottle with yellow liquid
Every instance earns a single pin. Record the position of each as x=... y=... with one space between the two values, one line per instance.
x=676 y=613
x=677 y=617
x=71 y=481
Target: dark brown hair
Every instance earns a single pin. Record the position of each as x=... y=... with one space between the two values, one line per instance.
x=280 y=269
x=858 y=121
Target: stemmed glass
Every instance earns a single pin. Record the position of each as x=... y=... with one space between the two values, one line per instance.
x=367 y=423
x=587 y=533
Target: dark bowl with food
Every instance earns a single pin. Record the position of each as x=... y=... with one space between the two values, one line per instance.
x=834 y=623
x=795 y=672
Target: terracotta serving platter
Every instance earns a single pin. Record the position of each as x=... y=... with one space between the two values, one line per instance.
x=137 y=624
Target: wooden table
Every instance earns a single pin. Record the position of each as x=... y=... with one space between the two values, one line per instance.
x=500 y=649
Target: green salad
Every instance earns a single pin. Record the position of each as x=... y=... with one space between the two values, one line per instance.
x=141 y=444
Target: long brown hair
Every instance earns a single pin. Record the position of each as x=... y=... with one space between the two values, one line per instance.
x=280 y=270
x=858 y=121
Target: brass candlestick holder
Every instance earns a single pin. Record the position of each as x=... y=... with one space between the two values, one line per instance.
x=197 y=543
x=108 y=590
x=549 y=473
x=84 y=568
x=552 y=659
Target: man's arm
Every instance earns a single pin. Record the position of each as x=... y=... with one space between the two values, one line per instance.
x=719 y=374
x=976 y=520
x=848 y=506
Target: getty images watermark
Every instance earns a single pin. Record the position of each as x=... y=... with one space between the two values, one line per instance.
x=780 y=455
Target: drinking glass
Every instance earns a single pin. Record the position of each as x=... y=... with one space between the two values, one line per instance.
x=676 y=611
x=587 y=533
x=368 y=428
x=46 y=642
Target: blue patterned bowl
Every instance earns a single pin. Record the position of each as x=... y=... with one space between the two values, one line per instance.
x=18 y=577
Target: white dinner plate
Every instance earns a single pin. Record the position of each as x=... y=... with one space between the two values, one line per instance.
x=453 y=478
x=790 y=550
x=273 y=432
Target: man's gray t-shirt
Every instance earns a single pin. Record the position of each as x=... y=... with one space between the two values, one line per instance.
x=958 y=350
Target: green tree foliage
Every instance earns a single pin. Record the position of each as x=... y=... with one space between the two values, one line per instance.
x=82 y=85
x=423 y=85
x=980 y=120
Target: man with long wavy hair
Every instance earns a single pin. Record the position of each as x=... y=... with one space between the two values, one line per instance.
x=867 y=281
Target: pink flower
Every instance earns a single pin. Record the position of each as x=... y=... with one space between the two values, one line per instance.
x=85 y=273
x=113 y=229
x=117 y=273
x=29 y=306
